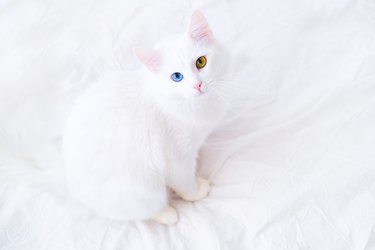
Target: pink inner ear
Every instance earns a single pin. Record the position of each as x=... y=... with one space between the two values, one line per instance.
x=199 y=29
x=149 y=57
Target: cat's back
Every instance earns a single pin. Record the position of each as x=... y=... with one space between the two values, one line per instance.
x=114 y=90
x=107 y=121
x=114 y=97
x=111 y=149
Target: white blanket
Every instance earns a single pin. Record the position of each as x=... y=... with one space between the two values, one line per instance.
x=293 y=167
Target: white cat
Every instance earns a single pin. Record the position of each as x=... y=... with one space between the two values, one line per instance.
x=132 y=136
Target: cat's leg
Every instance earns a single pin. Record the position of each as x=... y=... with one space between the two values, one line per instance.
x=202 y=188
x=183 y=181
x=167 y=216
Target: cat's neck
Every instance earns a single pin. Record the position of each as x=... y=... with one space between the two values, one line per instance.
x=198 y=116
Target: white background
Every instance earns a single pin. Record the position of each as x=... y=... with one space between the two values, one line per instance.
x=293 y=167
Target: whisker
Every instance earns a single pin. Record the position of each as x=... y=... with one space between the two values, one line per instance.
x=221 y=97
x=229 y=88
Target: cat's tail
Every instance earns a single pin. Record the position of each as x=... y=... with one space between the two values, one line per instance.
x=120 y=199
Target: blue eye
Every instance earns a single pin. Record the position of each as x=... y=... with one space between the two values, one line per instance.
x=177 y=77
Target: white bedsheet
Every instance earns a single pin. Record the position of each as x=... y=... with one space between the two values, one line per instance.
x=293 y=168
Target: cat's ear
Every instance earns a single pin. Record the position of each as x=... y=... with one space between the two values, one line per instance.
x=199 y=30
x=149 y=57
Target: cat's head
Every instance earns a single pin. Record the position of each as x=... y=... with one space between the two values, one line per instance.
x=190 y=74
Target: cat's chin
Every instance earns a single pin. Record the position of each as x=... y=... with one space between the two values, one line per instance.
x=204 y=109
x=199 y=94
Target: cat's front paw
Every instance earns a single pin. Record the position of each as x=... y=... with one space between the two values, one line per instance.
x=168 y=216
x=203 y=188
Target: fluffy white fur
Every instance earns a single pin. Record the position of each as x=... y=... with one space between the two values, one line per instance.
x=132 y=135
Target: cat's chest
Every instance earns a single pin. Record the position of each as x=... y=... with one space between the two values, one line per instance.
x=185 y=137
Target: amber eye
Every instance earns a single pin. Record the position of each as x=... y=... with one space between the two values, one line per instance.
x=201 y=62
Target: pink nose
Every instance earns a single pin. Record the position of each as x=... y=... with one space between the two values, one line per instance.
x=198 y=87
